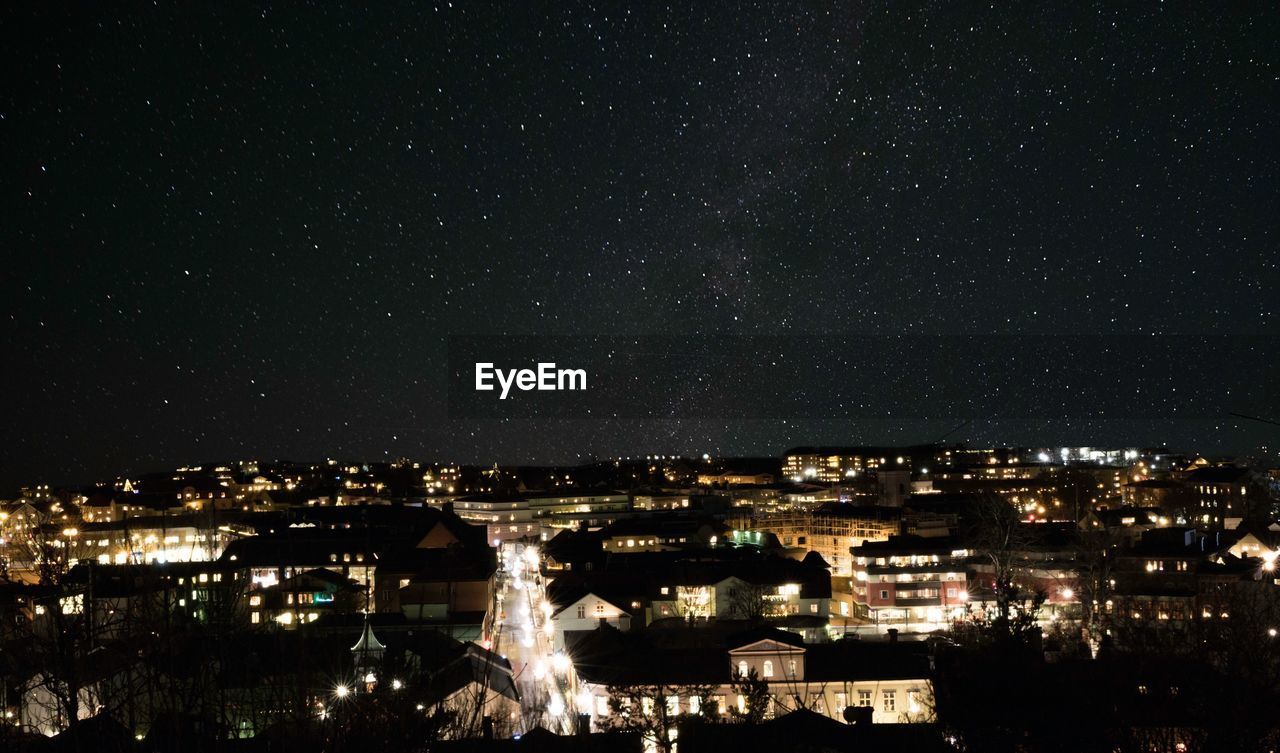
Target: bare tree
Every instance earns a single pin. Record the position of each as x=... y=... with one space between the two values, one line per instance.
x=750 y=602
x=1095 y=565
x=1240 y=638
x=999 y=536
x=692 y=605
x=647 y=710
x=64 y=630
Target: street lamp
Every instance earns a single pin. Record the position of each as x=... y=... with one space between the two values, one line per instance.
x=341 y=691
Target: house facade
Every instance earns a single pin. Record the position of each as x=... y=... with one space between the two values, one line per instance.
x=583 y=615
x=891 y=679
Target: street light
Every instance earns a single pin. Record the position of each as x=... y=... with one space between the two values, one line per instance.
x=341 y=691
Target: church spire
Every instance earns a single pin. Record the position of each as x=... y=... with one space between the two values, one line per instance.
x=368 y=650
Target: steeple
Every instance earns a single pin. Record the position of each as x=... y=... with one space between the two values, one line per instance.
x=368 y=650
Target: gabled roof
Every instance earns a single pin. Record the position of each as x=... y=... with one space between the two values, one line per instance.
x=475 y=665
x=1218 y=474
x=1267 y=534
x=569 y=600
x=750 y=640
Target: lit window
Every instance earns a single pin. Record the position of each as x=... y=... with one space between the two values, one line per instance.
x=768 y=668
x=742 y=670
x=890 y=700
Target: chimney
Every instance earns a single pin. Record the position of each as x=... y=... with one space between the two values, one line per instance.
x=893 y=635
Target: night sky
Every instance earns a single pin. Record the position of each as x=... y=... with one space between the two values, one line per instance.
x=240 y=233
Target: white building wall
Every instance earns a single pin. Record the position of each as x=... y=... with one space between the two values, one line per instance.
x=585 y=614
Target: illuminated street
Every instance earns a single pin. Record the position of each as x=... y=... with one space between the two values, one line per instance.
x=523 y=633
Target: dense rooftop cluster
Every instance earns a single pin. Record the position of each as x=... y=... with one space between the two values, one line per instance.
x=914 y=598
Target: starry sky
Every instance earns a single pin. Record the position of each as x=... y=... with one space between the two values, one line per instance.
x=234 y=232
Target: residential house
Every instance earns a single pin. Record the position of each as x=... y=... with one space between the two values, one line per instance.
x=892 y=679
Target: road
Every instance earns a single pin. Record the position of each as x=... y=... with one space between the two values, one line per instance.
x=523 y=634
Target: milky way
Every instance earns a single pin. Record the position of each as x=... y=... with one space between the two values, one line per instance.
x=234 y=232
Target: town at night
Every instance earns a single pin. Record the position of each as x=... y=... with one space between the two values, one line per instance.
x=798 y=376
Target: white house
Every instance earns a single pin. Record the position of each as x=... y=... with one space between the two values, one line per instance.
x=890 y=678
x=1254 y=545
x=584 y=614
